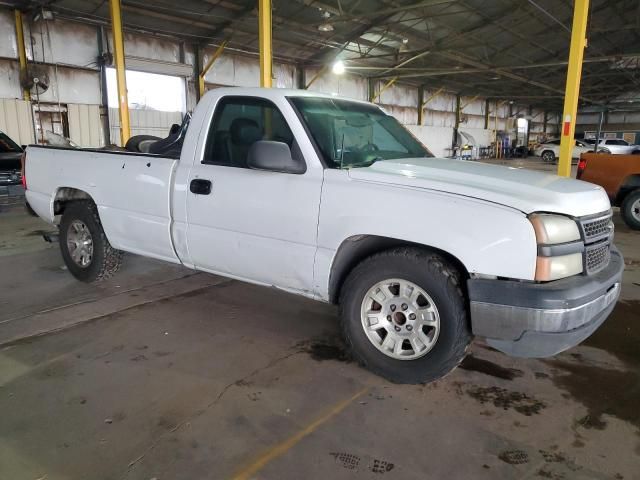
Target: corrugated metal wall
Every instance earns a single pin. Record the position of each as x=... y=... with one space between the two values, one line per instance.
x=144 y=122
x=16 y=120
x=85 y=127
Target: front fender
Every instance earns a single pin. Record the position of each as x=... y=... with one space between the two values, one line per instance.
x=486 y=238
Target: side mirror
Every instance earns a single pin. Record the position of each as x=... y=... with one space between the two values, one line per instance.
x=274 y=157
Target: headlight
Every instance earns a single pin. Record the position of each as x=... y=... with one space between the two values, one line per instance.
x=559 y=247
x=553 y=268
x=552 y=229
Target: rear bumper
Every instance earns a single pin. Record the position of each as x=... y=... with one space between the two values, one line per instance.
x=542 y=319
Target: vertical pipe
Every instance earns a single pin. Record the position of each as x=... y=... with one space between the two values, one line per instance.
x=266 y=51
x=572 y=91
x=22 y=53
x=599 y=133
x=457 y=124
x=104 y=114
x=197 y=68
x=420 y=104
x=486 y=114
x=118 y=55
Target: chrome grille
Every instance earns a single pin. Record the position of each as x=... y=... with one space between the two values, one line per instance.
x=597 y=257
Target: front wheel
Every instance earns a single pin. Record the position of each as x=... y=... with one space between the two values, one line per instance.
x=85 y=249
x=548 y=156
x=630 y=209
x=404 y=315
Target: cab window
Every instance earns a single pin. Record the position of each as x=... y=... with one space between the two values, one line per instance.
x=238 y=123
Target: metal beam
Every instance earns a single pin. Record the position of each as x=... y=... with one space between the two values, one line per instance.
x=384 y=87
x=208 y=66
x=118 y=56
x=266 y=47
x=486 y=114
x=22 y=53
x=572 y=93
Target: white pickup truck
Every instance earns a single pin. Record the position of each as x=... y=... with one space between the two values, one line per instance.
x=333 y=199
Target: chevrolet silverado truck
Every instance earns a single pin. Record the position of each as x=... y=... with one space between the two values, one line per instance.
x=333 y=199
x=619 y=175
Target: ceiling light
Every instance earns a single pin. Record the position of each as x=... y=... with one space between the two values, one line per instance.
x=495 y=78
x=338 y=67
x=405 y=40
x=325 y=27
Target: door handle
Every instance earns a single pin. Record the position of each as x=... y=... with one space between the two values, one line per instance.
x=200 y=186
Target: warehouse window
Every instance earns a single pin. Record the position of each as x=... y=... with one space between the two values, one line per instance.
x=148 y=91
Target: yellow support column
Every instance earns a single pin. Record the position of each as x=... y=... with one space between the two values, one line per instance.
x=266 y=51
x=572 y=91
x=22 y=53
x=208 y=66
x=118 y=55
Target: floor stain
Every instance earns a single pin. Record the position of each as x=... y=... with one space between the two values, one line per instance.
x=514 y=457
x=604 y=390
x=506 y=399
x=326 y=348
x=475 y=364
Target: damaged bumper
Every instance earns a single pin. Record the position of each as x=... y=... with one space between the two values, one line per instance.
x=527 y=319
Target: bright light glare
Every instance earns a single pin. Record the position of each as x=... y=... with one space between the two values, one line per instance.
x=338 y=67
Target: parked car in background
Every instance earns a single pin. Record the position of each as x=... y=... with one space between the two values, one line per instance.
x=616 y=146
x=550 y=151
x=619 y=175
x=10 y=165
x=333 y=199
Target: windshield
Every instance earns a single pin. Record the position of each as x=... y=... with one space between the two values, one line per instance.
x=353 y=134
x=7 y=145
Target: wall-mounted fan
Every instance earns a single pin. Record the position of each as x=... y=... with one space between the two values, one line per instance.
x=35 y=79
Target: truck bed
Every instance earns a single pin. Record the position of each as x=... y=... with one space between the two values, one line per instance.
x=131 y=190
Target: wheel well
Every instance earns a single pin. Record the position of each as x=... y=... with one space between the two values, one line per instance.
x=355 y=249
x=64 y=195
x=629 y=184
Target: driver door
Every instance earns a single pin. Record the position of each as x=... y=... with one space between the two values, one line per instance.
x=259 y=226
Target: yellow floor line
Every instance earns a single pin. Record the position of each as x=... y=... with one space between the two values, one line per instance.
x=283 y=447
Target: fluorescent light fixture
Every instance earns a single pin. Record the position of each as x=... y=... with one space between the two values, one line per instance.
x=338 y=67
x=325 y=27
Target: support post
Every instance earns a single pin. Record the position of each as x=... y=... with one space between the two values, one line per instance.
x=384 y=87
x=599 y=132
x=457 y=124
x=301 y=77
x=486 y=114
x=118 y=55
x=372 y=89
x=572 y=91
x=420 y=104
x=22 y=53
x=266 y=51
x=208 y=66
x=544 y=123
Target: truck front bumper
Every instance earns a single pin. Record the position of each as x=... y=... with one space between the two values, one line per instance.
x=527 y=319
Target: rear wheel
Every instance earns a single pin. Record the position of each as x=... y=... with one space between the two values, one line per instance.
x=84 y=245
x=630 y=209
x=548 y=156
x=404 y=315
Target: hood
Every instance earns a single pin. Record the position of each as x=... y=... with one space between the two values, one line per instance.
x=525 y=190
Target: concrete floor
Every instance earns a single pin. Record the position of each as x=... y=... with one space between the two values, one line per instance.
x=162 y=373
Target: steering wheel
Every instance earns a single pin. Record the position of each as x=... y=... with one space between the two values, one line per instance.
x=370 y=147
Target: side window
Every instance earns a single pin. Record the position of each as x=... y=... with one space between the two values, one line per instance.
x=238 y=123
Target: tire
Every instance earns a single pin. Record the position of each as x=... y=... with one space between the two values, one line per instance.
x=441 y=282
x=548 y=156
x=103 y=260
x=630 y=209
x=133 y=144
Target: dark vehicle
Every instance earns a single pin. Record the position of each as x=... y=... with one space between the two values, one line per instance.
x=10 y=164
